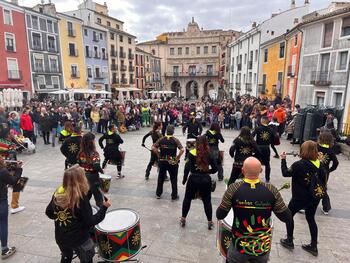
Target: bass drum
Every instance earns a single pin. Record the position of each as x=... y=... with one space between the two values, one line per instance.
x=224 y=235
x=119 y=235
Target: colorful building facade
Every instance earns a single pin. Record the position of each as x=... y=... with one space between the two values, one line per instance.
x=14 y=57
x=273 y=61
x=72 y=51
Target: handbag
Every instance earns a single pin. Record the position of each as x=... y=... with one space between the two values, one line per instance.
x=86 y=251
x=213 y=185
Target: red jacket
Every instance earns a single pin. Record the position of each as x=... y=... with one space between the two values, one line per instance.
x=26 y=122
x=280 y=114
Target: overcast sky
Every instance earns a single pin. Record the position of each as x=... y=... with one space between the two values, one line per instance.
x=149 y=18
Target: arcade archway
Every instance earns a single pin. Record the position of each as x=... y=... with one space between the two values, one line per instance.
x=192 y=90
x=176 y=87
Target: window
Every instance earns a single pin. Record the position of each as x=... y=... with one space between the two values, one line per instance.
x=264 y=80
x=279 y=82
x=213 y=49
x=53 y=64
x=205 y=49
x=12 y=68
x=198 y=50
x=35 y=22
x=254 y=78
x=245 y=58
x=282 y=48
x=192 y=70
x=120 y=38
x=320 y=98
x=41 y=82
x=108 y=23
x=49 y=26
x=42 y=24
x=85 y=32
x=251 y=56
x=97 y=72
x=337 y=99
x=101 y=36
x=39 y=63
x=179 y=51
x=342 y=60
x=36 y=38
x=10 y=42
x=72 y=51
x=272 y=33
x=256 y=55
x=345 y=28
x=172 y=51
x=129 y=40
x=55 y=80
x=7 y=17
x=328 y=34
x=266 y=55
x=209 y=69
x=175 y=69
x=99 y=21
x=117 y=26
x=71 y=32
x=112 y=36
x=51 y=43
x=296 y=40
x=74 y=71
x=87 y=51
x=187 y=51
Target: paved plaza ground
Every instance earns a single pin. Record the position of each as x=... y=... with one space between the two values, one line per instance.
x=33 y=233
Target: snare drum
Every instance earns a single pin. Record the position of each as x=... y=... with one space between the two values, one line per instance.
x=119 y=235
x=105 y=182
x=190 y=144
x=224 y=234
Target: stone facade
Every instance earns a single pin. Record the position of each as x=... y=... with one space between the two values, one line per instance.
x=193 y=61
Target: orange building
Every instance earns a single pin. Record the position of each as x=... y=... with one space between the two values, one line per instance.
x=294 y=43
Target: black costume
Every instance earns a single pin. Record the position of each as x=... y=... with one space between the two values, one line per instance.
x=111 y=150
x=168 y=146
x=70 y=149
x=72 y=227
x=194 y=129
x=264 y=139
x=328 y=156
x=155 y=135
x=213 y=140
x=240 y=150
x=199 y=183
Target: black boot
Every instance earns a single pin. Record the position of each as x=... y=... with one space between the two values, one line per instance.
x=287 y=243
x=312 y=249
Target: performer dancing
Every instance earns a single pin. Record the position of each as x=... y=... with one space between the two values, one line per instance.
x=214 y=136
x=264 y=139
x=308 y=177
x=71 y=210
x=326 y=155
x=193 y=127
x=6 y=179
x=71 y=147
x=111 y=150
x=199 y=160
x=67 y=131
x=89 y=159
x=155 y=135
x=166 y=149
x=243 y=147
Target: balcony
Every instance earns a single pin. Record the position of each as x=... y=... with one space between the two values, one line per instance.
x=250 y=65
x=131 y=56
x=320 y=78
x=122 y=54
x=192 y=73
x=239 y=66
x=95 y=38
x=56 y=86
x=52 y=49
x=291 y=71
x=40 y=69
x=123 y=68
x=75 y=75
x=71 y=33
x=248 y=87
x=100 y=75
x=210 y=73
x=14 y=74
x=114 y=67
x=131 y=68
x=10 y=48
x=37 y=47
x=115 y=81
x=104 y=56
x=54 y=70
x=113 y=53
x=73 y=52
x=97 y=55
x=238 y=86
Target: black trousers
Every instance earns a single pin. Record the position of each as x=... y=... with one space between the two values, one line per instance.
x=326 y=202
x=67 y=255
x=236 y=173
x=265 y=160
x=94 y=183
x=46 y=136
x=310 y=211
x=164 y=167
x=152 y=161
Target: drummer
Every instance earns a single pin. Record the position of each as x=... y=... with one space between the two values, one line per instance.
x=71 y=147
x=194 y=129
x=111 y=150
x=252 y=202
x=71 y=210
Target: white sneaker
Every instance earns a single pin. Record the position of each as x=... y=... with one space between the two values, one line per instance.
x=17 y=210
x=324 y=211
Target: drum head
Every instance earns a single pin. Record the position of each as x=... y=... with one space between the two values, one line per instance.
x=118 y=220
x=105 y=176
x=229 y=219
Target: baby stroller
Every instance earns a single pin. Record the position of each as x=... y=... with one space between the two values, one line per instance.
x=25 y=145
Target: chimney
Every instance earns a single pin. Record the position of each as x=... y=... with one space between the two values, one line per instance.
x=254 y=25
x=192 y=19
x=292 y=5
x=15 y=2
x=307 y=2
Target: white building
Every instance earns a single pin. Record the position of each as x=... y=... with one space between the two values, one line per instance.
x=245 y=52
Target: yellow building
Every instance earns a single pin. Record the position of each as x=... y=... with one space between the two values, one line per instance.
x=72 y=51
x=273 y=59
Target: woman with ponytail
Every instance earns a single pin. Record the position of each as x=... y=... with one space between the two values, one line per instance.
x=200 y=165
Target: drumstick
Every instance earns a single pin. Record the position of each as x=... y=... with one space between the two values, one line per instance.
x=147 y=148
x=104 y=197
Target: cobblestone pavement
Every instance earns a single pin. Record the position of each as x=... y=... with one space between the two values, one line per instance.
x=33 y=233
